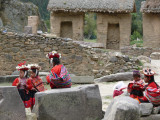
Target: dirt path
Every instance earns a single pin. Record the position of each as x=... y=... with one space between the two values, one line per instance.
x=106 y=89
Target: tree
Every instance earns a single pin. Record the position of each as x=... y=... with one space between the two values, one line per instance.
x=90 y=31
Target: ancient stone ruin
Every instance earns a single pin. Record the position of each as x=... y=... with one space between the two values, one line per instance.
x=151 y=23
x=113 y=20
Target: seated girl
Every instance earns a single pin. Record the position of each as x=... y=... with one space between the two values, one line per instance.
x=59 y=76
x=137 y=86
x=36 y=82
x=152 y=91
x=22 y=84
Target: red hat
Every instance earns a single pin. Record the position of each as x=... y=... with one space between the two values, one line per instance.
x=34 y=66
x=22 y=66
x=148 y=72
x=53 y=54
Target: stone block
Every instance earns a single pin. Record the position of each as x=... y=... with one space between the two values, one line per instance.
x=11 y=105
x=151 y=117
x=126 y=76
x=146 y=109
x=33 y=22
x=78 y=103
x=82 y=79
x=28 y=30
x=155 y=55
x=123 y=108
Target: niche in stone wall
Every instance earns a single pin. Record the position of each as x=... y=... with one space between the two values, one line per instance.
x=113 y=36
x=66 y=29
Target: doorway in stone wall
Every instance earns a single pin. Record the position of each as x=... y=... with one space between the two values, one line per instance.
x=66 y=29
x=113 y=37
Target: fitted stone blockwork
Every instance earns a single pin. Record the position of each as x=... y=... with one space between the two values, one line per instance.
x=68 y=25
x=11 y=105
x=79 y=103
x=33 y=22
x=114 y=30
x=151 y=30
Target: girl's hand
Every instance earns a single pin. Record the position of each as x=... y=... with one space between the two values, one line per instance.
x=34 y=89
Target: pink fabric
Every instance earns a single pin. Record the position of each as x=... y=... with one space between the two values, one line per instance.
x=117 y=93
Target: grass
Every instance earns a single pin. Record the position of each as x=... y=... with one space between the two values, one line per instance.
x=138 y=43
x=108 y=97
x=89 y=40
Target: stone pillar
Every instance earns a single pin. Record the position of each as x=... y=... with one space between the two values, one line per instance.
x=33 y=21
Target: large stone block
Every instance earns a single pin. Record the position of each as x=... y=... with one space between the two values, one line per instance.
x=151 y=117
x=11 y=105
x=146 y=109
x=82 y=79
x=78 y=103
x=116 y=77
x=33 y=21
x=123 y=108
x=155 y=55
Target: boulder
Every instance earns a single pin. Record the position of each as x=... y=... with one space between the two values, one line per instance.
x=82 y=79
x=123 y=108
x=151 y=117
x=78 y=103
x=11 y=105
x=155 y=55
x=144 y=59
x=116 y=77
x=146 y=109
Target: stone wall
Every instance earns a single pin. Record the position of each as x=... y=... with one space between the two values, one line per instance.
x=78 y=59
x=123 y=23
x=76 y=27
x=137 y=51
x=151 y=30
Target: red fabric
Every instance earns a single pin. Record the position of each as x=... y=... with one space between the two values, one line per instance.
x=27 y=104
x=15 y=82
x=28 y=84
x=153 y=85
x=37 y=82
x=32 y=101
x=117 y=93
x=140 y=87
x=56 y=69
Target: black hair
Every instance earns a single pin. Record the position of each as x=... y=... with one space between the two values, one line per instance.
x=26 y=76
x=56 y=61
x=136 y=75
x=34 y=71
x=151 y=80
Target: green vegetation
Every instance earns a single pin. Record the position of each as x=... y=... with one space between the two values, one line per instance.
x=90 y=40
x=138 y=43
x=90 y=31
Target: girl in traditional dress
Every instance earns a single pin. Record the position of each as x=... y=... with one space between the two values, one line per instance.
x=152 y=91
x=22 y=84
x=36 y=82
x=59 y=76
x=137 y=86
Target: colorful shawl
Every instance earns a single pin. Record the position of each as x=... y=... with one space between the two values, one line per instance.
x=63 y=79
x=153 y=95
x=37 y=84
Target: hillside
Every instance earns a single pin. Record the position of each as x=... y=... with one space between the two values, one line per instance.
x=42 y=5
